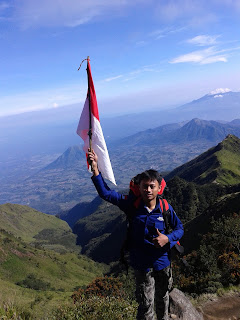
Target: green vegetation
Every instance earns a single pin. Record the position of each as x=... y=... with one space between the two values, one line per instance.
x=190 y=200
x=220 y=164
x=37 y=228
x=229 y=159
x=41 y=276
x=32 y=275
x=32 y=282
x=98 y=308
x=216 y=264
x=101 y=234
x=104 y=298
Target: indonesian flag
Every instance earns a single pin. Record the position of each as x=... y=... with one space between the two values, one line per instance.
x=88 y=124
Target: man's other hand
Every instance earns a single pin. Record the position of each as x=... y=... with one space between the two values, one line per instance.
x=160 y=240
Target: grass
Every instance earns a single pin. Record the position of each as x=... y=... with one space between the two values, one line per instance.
x=36 y=227
x=225 y=169
x=230 y=167
x=63 y=272
x=40 y=304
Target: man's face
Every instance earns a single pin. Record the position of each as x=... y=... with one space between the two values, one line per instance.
x=149 y=190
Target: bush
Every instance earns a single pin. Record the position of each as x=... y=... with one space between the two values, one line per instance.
x=34 y=283
x=100 y=308
x=102 y=287
x=9 y=312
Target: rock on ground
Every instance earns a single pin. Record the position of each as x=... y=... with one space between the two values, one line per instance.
x=181 y=307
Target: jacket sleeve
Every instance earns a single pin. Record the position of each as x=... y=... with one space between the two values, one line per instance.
x=109 y=195
x=177 y=228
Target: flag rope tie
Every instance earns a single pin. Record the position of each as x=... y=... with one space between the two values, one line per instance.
x=82 y=62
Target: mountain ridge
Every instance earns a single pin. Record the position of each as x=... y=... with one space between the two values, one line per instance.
x=213 y=165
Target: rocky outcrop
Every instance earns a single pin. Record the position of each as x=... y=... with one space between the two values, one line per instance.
x=181 y=307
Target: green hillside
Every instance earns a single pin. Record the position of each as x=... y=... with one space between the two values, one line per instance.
x=32 y=276
x=29 y=272
x=225 y=206
x=220 y=164
x=229 y=159
x=101 y=233
x=37 y=228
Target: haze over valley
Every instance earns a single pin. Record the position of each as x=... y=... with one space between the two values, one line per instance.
x=35 y=171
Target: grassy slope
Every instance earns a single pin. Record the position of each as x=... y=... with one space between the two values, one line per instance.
x=25 y=238
x=37 y=228
x=229 y=157
x=220 y=164
x=227 y=170
x=63 y=272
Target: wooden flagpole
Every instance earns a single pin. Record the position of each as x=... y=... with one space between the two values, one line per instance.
x=90 y=110
x=89 y=104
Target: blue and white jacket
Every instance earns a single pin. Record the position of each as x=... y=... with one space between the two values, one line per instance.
x=143 y=254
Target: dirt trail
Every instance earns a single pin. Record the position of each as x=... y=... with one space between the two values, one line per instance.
x=223 y=308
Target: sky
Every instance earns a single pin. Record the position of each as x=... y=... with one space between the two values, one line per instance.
x=144 y=53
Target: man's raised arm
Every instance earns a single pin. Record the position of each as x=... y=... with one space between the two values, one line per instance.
x=102 y=188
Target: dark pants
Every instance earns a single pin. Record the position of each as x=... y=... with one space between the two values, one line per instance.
x=153 y=294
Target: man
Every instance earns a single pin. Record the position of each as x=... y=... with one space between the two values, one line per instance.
x=149 y=245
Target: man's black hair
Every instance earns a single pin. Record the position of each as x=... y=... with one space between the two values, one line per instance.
x=149 y=175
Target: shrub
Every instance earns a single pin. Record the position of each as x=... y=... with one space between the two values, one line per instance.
x=100 y=308
x=102 y=287
x=9 y=312
x=32 y=282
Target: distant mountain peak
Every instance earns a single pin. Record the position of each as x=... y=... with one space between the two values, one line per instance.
x=72 y=156
x=218 y=104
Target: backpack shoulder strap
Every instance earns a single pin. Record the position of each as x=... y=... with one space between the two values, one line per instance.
x=163 y=204
x=165 y=212
x=166 y=216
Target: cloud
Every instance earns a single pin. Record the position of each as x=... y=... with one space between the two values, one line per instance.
x=161 y=33
x=133 y=74
x=47 y=13
x=206 y=56
x=219 y=90
x=141 y=43
x=113 y=78
x=171 y=10
x=142 y=70
x=203 y=40
x=214 y=59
